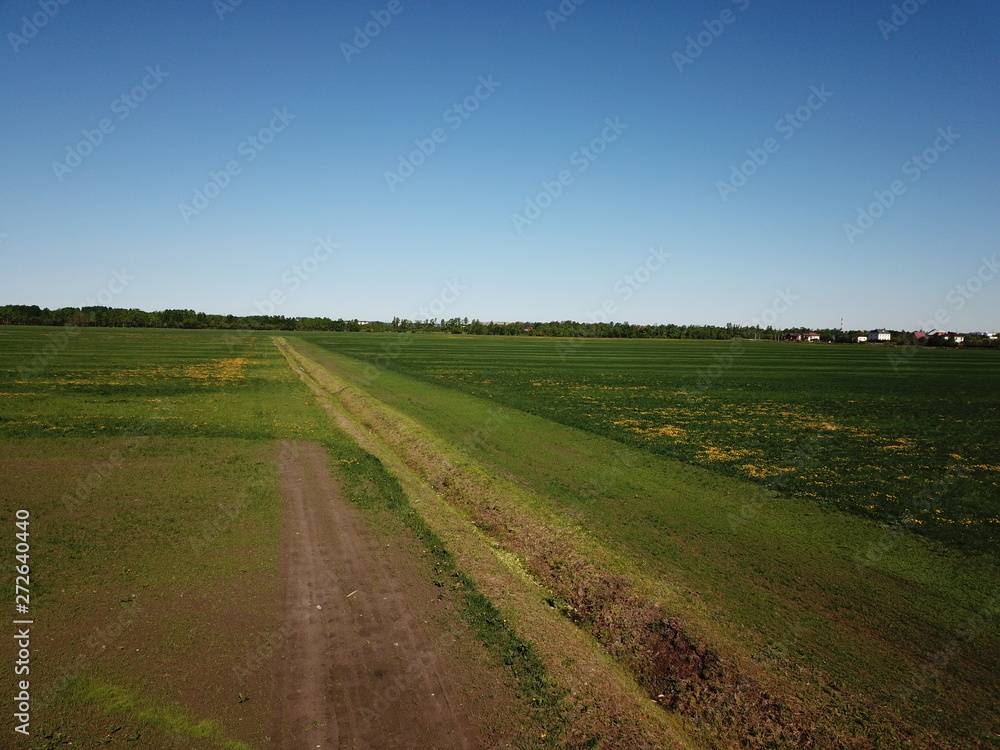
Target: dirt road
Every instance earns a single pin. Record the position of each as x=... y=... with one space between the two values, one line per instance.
x=363 y=664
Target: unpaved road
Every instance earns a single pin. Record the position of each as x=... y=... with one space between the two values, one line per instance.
x=362 y=663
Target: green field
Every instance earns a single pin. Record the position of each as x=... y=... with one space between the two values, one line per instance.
x=898 y=436
x=160 y=382
x=143 y=459
x=146 y=463
x=903 y=627
x=815 y=525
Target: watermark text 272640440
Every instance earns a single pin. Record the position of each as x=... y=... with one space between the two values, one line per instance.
x=22 y=635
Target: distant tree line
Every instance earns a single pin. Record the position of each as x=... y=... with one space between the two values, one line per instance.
x=116 y=317
x=608 y=330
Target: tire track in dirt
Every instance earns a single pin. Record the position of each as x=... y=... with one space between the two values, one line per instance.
x=360 y=667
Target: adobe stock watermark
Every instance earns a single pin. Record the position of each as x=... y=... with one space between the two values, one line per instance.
x=455 y=116
x=783 y=301
x=31 y=25
x=101 y=637
x=962 y=293
x=101 y=470
x=901 y=14
x=784 y=648
x=266 y=647
x=721 y=363
x=398 y=687
x=793 y=462
x=562 y=12
x=786 y=127
x=624 y=289
x=957 y=298
x=914 y=168
x=363 y=35
x=122 y=106
x=218 y=525
x=117 y=284
x=931 y=670
x=296 y=274
x=249 y=148
x=449 y=294
x=704 y=38
x=392 y=350
x=922 y=504
x=629 y=284
x=609 y=476
x=582 y=158
x=495 y=419
x=58 y=342
x=224 y=7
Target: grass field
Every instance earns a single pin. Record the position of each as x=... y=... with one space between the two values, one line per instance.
x=821 y=597
x=147 y=463
x=144 y=462
x=897 y=436
x=694 y=492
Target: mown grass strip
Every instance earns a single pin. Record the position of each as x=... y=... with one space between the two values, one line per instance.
x=370 y=486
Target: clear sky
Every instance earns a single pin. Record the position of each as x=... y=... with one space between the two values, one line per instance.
x=209 y=155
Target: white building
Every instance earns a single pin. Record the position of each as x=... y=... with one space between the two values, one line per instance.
x=949 y=336
x=879 y=334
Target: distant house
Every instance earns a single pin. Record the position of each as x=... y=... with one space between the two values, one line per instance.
x=862 y=339
x=879 y=334
x=950 y=336
x=797 y=336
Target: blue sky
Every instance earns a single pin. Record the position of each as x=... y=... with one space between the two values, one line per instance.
x=745 y=136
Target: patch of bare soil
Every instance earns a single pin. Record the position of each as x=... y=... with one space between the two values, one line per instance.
x=118 y=606
x=362 y=660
